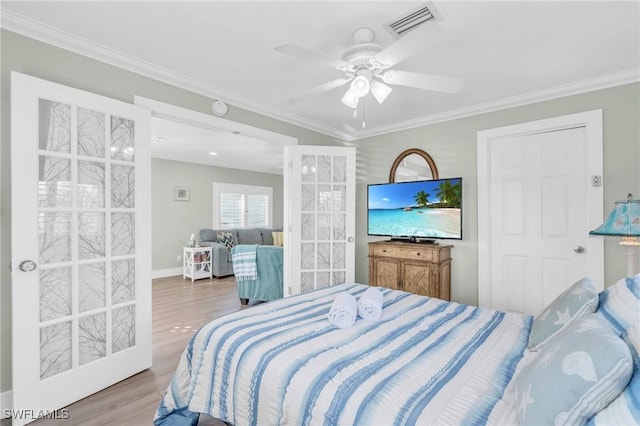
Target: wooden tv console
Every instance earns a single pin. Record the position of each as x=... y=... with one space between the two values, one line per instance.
x=418 y=268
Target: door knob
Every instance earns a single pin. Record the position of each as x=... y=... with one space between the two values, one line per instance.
x=351 y=239
x=578 y=249
x=27 y=265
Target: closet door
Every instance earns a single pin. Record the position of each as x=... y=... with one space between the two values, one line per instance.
x=80 y=210
x=319 y=217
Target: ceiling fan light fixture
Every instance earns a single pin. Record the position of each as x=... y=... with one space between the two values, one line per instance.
x=361 y=85
x=380 y=91
x=350 y=99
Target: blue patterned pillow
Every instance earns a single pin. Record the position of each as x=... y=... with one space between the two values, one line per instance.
x=578 y=301
x=226 y=239
x=620 y=303
x=620 y=306
x=575 y=374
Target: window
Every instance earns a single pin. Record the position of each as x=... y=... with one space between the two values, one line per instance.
x=241 y=206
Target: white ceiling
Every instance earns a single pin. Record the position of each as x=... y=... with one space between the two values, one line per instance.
x=508 y=53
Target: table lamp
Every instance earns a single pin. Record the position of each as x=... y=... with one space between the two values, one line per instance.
x=624 y=222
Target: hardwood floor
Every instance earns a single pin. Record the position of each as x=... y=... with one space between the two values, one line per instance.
x=179 y=309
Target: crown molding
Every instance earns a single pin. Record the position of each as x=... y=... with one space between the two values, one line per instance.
x=54 y=36
x=51 y=35
x=602 y=82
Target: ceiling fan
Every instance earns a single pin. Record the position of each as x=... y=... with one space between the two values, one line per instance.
x=367 y=66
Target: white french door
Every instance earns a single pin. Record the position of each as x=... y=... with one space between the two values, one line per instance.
x=536 y=206
x=80 y=207
x=319 y=217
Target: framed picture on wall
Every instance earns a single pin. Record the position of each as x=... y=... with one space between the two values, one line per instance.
x=181 y=193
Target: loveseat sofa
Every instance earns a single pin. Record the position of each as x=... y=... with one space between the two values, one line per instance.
x=221 y=255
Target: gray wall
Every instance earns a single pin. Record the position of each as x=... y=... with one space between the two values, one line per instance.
x=25 y=55
x=452 y=145
x=174 y=221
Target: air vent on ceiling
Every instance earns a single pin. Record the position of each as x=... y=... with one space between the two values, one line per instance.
x=412 y=19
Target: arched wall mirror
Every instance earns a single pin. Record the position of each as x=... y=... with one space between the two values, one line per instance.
x=413 y=164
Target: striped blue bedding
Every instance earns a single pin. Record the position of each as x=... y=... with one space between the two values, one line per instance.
x=426 y=361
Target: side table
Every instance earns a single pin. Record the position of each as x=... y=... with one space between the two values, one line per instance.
x=196 y=263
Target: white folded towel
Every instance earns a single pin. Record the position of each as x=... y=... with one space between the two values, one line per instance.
x=370 y=304
x=344 y=310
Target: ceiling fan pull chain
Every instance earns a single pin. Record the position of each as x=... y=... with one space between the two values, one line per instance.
x=363 y=122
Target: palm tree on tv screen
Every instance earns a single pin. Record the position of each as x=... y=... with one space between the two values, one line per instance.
x=422 y=198
x=450 y=195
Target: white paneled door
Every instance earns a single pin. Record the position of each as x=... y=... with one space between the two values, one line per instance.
x=80 y=210
x=319 y=217
x=537 y=204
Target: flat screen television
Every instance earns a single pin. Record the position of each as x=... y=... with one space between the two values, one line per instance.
x=418 y=211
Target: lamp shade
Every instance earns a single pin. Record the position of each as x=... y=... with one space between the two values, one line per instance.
x=350 y=99
x=623 y=221
x=380 y=91
x=360 y=86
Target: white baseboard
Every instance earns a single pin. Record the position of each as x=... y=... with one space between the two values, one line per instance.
x=161 y=273
x=6 y=404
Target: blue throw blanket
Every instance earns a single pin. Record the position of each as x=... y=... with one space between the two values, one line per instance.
x=245 y=266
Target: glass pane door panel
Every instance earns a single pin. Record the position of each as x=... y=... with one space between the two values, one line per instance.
x=339 y=226
x=323 y=256
x=122 y=281
x=55 y=126
x=54 y=182
x=324 y=168
x=122 y=187
x=307 y=281
x=308 y=227
x=339 y=253
x=308 y=197
x=308 y=168
x=324 y=198
x=90 y=188
x=122 y=139
x=123 y=326
x=339 y=169
x=323 y=279
x=91 y=235
x=122 y=234
x=55 y=293
x=54 y=234
x=92 y=337
x=91 y=141
x=324 y=226
x=308 y=256
x=55 y=349
x=91 y=286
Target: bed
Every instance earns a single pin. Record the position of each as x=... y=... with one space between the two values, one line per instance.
x=425 y=361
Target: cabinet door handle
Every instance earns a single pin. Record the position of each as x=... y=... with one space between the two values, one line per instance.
x=384 y=250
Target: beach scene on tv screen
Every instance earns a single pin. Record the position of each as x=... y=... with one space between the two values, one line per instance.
x=429 y=209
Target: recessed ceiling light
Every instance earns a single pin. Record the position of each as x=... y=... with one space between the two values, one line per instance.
x=213 y=153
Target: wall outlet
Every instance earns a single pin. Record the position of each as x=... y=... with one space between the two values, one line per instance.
x=179 y=257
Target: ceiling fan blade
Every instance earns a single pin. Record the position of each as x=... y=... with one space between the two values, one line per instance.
x=329 y=85
x=437 y=83
x=411 y=43
x=301 y=52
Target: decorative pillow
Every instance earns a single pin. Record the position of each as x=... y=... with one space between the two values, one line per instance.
x=249 y=236
x=620 y=303
x=620 y=307
x=625 y=409
x=578 y=301
x=278 y=238
x=226 y=239
x=577 y=373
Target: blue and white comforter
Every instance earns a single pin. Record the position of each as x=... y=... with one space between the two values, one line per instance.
x=425 y=361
